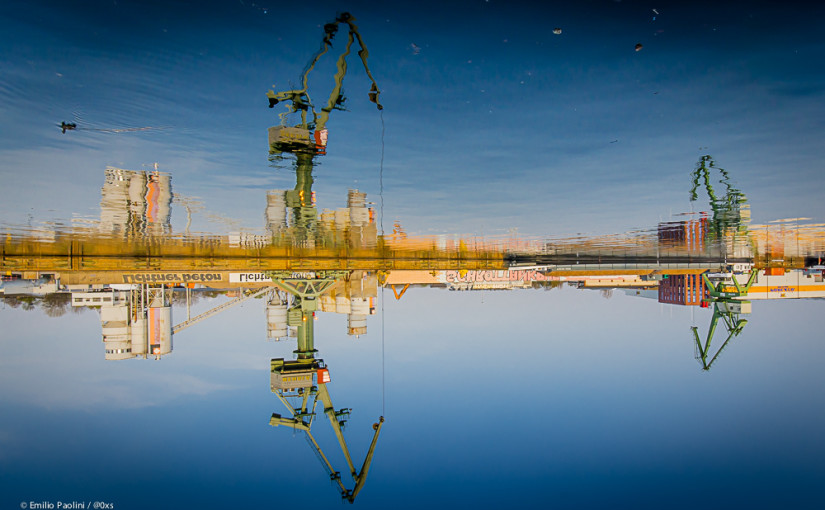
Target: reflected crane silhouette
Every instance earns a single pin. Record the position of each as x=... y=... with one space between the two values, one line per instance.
x=729 y=211
x=308 y=138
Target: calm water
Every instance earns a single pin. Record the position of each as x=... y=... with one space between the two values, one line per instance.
x=572 y=261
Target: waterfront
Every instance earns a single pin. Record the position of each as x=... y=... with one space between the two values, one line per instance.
x=483 y=265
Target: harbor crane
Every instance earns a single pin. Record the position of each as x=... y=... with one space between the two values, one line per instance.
x=217 y=309
x=308 y=138
x=725 y=294
x=305 y=378
x=729 y=211
x=310 y=135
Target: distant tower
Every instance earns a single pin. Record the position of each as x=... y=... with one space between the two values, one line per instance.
x=158 y=316
x=363 y=230
x=362 y=289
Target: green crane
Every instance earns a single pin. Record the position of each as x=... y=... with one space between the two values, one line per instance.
x=727 y=306
x=307 y=376
x=728 y=210
x=298 y=138
x=308 y=138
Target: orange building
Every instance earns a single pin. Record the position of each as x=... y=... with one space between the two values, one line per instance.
x=689 y=235
x=683 y=289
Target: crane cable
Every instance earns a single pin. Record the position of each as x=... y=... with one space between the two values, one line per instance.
x=381 y=174
x=383 y=381
x=381 y=215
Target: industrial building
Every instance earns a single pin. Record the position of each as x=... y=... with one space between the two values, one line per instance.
x=135 y=322
x=135 y=203
x=683 y=289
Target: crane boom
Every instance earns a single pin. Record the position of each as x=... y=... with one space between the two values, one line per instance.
x=365 y=468
x=727 y=305
x=218 y=309
x=299 y=98
x=302 y=418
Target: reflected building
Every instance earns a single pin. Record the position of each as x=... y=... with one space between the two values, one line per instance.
x=356 y=221
x=275 y=215
x=291 y=216
x=689 y=235
x=788 y=243
x=136 y=203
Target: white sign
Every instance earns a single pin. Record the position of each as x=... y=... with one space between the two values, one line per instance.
x=248 y=278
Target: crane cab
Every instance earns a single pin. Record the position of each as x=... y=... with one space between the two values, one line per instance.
x=297 y=139
x=287 y=375
x=290 y=139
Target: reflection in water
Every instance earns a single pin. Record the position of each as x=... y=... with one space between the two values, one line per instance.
x=299 y=138
x=304 y=142
x=730 y=212
x=135 y=203
x=130 y=262
x=132 y=268
x=134 y=235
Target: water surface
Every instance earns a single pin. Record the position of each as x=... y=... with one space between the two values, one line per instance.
x=571 y=268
